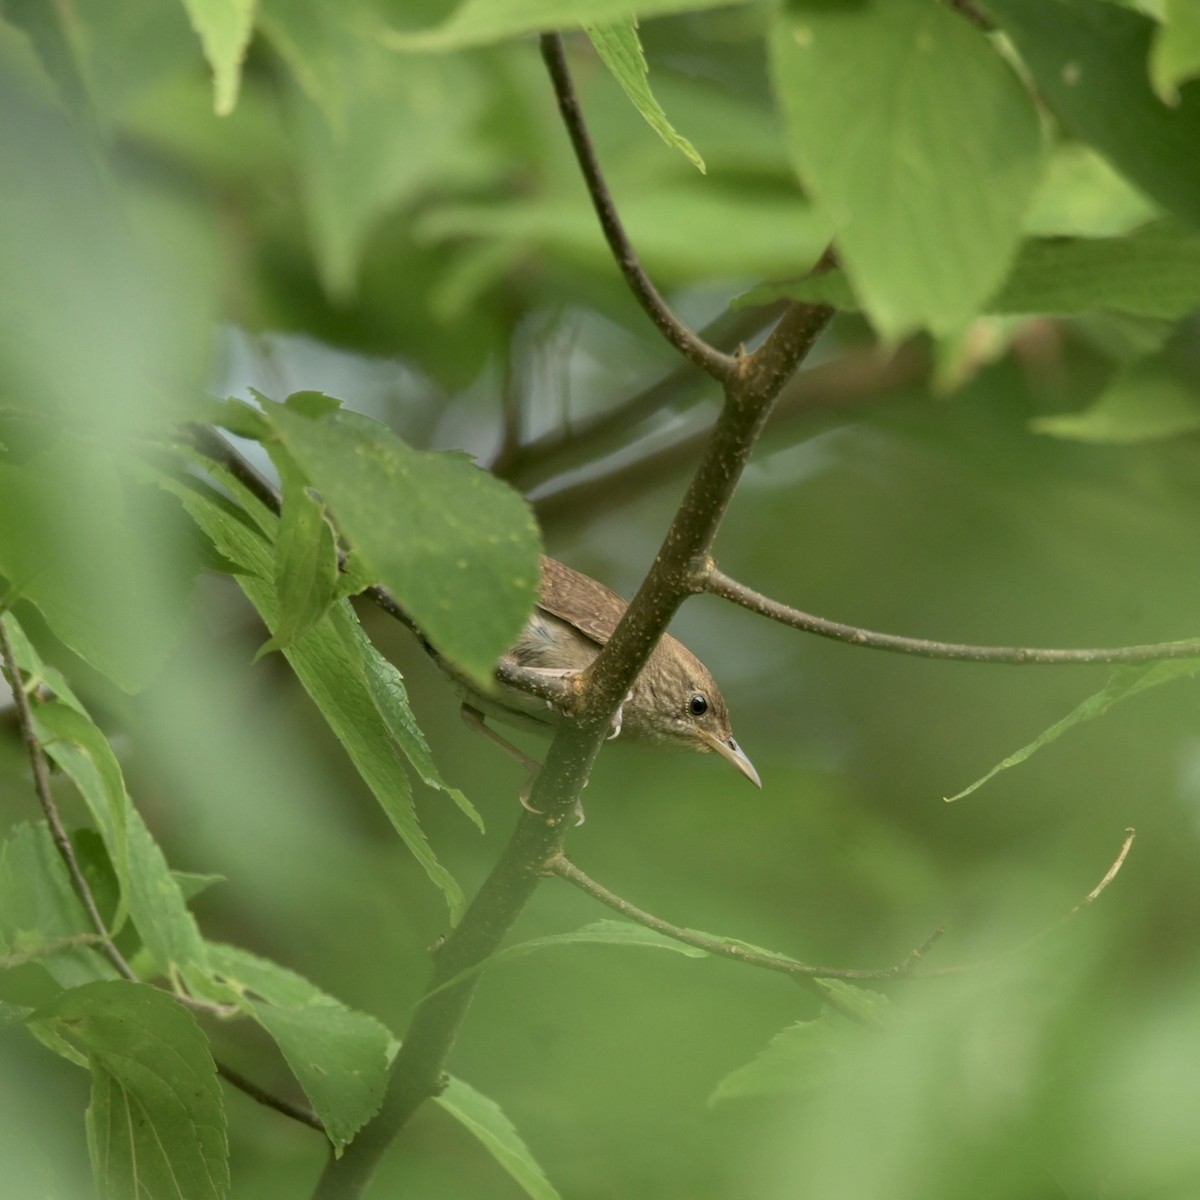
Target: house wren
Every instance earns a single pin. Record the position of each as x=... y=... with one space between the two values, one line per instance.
x=674 y=701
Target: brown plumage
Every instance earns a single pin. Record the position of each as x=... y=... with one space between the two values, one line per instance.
x=674 y=701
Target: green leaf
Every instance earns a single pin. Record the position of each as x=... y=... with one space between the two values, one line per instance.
x=1082 y=195
x=621 y=51
x=1152 y=398
x=387 y=689
x=156 y=1123
x=38 y=906
x=498 y=1136
x=1175 y=56
x=599 y=933
x=681 y=229
x=224 y=27
x=306 y=567
x=1124 y=682
x=1089 y=61
x=339 y=1056
x=925 y=170
x=327 y=661
x=1154 y=272
x=795 y=1061
x=457 y=548
x=479 y=22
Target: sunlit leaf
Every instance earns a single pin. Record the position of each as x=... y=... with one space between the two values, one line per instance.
x=925 y=169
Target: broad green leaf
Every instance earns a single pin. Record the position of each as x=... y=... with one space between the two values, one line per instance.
x=156 y=1122
x=455 y=546
x=1154 y=272
x=38 y=907
x=1124 y=682
x=306 y=567
x=1175 y=55
x=387 y=689
x=1089 y=61
x=498 y=1136
x=1154 y=397
x=478 y=22
x=224 y=27
x=339 y=1056
x=599 y=933
x=84 y=548
x=327 y=662
x=620 y=49
x=925 y=169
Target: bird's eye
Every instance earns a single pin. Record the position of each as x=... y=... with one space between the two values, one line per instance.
x=697 y=705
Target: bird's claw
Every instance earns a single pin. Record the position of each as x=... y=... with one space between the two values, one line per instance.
x=616 y=721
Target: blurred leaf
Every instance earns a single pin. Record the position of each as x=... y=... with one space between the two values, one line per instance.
x=455 y=546
x=1154 y=272
x=498 y=1136
x=156 y=1122
x=1154 y=397
x=684 y=232
x=81 y=545
x=798 y=1059
x=1082 y=195
x=224 y=27
x=1175 y=55
x=38 y=906
x=908 y=173
x=1089 y=61
x=306 y=567
x=393 y=130
x=621 y=50
x=339 y=1056
x=601 y=933
x=1124 y=682
x=327 y=661
x=478 y=22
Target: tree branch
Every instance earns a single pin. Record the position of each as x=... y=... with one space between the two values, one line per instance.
x=710 y=360
x=720 y=584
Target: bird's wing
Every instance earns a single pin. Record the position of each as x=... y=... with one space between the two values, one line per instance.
x=584 y=603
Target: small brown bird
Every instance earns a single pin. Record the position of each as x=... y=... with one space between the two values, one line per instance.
x=674 y=701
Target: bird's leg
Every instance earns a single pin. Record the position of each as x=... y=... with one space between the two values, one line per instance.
x=473 y=719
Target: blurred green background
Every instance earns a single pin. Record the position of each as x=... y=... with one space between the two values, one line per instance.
x=410 y=236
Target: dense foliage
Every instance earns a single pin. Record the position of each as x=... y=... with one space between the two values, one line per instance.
x=354 y=238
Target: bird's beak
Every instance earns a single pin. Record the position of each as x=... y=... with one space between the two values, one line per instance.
x=729 y=749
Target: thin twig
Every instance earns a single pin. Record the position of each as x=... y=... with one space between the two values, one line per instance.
x=48 y=949
x=296 y=1111
x=102 y=938
x=561 y=866
x=710 y=360
x=720 y=584
x=45 y=795
x=1025 y=943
